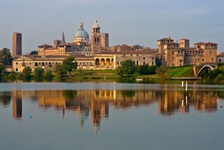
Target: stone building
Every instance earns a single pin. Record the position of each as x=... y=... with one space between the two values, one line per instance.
x=99 y=41
x=220 y=57
x=79 y=44
x=47 y=63
x=180 y=53
x=100 y=61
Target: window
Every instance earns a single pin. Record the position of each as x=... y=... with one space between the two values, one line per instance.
x=220 y=60
x=212 y=59
x=16 y=69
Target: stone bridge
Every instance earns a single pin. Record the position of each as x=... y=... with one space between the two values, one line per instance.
x=201 y=67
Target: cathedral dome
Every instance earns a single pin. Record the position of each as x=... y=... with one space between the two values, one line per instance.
x=81 y=33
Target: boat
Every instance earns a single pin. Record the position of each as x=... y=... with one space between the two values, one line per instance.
x=139 y=79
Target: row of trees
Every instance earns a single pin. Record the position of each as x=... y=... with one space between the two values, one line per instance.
x=129 y=68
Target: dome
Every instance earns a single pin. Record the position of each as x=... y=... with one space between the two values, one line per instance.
x=81 y=35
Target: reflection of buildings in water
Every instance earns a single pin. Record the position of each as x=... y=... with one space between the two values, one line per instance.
x=128 y=98
x=180 y=100
x=17 y=104
x=97 y=102
x=82 y=101
x=99 y=110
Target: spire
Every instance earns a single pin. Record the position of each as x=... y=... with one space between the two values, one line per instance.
x=63 y=38
x=81 y=25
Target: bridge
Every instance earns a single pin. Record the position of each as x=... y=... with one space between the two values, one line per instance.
x=198 y=68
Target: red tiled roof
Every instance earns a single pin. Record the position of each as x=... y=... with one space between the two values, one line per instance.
x=45 y=45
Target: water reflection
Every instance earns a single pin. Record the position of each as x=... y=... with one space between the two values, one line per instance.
x=97 y=102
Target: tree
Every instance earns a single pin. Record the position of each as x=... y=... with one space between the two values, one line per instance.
x=69 y=65
x=161 y=71
x=5 y=57
x=34 y=52
x=27 y=73
x=2 y=70
x=119 y=71
x=38 y=74
x=58 y=71
x=146 y=69
x=127 y=67
x=48 y=75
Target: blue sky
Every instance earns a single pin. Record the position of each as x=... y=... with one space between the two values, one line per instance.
x=127 y=21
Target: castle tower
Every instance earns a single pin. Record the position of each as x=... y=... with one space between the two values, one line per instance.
x=16 y=44
x=184 y=43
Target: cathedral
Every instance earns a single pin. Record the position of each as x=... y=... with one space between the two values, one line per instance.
x=80 y=44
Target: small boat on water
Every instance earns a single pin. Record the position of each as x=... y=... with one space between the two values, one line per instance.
x=139 y=79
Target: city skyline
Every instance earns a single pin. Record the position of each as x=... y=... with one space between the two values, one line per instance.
x=128 y=22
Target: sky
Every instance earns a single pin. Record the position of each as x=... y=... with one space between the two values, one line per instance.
x=129 y=22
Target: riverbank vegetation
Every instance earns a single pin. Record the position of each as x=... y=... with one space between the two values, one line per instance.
x=216 y=75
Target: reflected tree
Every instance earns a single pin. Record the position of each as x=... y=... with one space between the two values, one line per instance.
x=5 y=98
x=128 y=93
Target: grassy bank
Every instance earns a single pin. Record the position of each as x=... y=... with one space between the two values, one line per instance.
x=183 y=71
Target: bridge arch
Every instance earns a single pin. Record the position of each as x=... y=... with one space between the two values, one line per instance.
x=202 y=68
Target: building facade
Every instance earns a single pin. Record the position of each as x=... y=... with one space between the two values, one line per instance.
x=100 y=61
x=16 y=44
x=180 y=53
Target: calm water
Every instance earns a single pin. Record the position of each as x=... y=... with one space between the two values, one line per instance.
x=111 y=116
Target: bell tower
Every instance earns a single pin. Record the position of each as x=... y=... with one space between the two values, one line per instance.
x=96 y=36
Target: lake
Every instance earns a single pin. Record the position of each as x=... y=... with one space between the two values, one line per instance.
x=109 y=116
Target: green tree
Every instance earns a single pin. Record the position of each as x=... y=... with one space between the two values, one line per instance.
x=48 y=75
x=57 y=69
x=5 y=57
x=146 y=69
x=12 y=76
x=119 y=71
x=34 y=53
x=69 y=65
x=161 y=71
x=20 y=76
x=27 y=73
x=38 y=74
x=127 y=67
x=2 y=71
